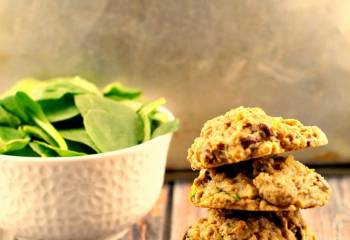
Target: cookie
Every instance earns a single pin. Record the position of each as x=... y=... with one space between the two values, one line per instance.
x=237 y=225
x=263 y=184
x=245 y=133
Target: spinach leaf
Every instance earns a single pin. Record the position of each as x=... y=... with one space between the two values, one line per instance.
x=24 y=152
x=60 y=109
x=85 y=85
x=111 y=131
x=58 y=87
x=237 y=197
x=57 y=97
x=28 y=85
x=78 y=135
x=12 y=140
x=87 y=102
x=165 y=128
x=110 y=125
x=8 y=119
x=134 y=105
x=36 y=114
x=145 y=112
x=11 y=105
x=46 y=150
x=79 y=147
x=117 y=91
x=89 y=121
x=37 y=132
x=159 y=117
x=42 y=151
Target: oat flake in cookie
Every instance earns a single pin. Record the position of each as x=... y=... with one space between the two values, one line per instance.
x=238 y=225
x=245 y=133
x=262 y=184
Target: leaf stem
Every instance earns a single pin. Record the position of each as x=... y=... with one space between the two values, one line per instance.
x=53 y=132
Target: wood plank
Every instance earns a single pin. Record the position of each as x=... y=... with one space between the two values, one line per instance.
x=183 y=212
x=6 y=235
x=331 y=222
x=151 y=227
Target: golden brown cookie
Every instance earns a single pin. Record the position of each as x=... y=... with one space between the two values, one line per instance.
x=262 y=184
x=237 y=225
x=245 y=133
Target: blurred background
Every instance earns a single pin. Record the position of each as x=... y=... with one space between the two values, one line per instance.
x=291 y=58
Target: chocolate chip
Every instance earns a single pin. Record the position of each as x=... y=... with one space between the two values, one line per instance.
x=298 y=234
x=265 y=129
x=207 y=178
x=210 y=160
x=220 y=146
x=208 y=156
x=277 y=165
x=185 y=237
x=248 y=140
x=247 y=125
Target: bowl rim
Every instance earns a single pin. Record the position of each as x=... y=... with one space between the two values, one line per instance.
x=95 y=156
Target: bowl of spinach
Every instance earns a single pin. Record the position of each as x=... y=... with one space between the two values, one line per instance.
x=79 y=162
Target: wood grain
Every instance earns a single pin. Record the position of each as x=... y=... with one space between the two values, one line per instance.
x=153 y=225
x=332 y=222
x=183 y=212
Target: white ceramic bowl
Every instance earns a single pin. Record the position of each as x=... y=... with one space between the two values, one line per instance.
x=81 y=198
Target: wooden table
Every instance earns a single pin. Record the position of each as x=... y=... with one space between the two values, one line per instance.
x=173 y=213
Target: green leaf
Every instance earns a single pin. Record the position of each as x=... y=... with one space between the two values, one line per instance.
x=193 y=197
x=79 y=147
x=145 y=112
x=11 y=105
x=12 y=140
x=46 y=150
x=79 y=135
x=28 y=85
x=56 y=88
x=8 y=119
x=87 y=86
x=8 y=133
x=59 y=109
x=237 y=197
x=36 y=114
x=42 y=151
x=24 y=152
x=87 y=102
x=134 y=105
x=110 y=125
x=117 y=91
x=37 y=132
x=159 y=117
x=111 y=131
x=165 y=128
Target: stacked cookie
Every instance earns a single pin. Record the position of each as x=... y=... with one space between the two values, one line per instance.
x=253 y=193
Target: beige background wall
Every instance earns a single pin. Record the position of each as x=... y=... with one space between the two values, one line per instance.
x=205 y=57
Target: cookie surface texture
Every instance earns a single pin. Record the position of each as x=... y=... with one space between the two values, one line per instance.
x=245 y=133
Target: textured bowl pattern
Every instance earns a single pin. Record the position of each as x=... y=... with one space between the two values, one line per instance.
x=86 y=199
